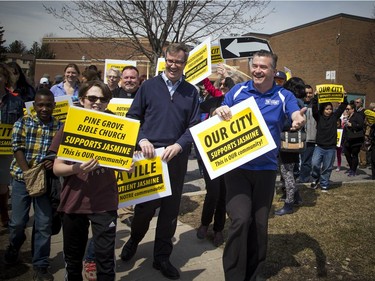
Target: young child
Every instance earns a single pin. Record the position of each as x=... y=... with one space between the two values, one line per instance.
x=89 y=194
x=326 y=139
x=31 y=138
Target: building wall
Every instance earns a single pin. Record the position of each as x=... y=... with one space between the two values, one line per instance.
x=85 y=52
x=338 y=43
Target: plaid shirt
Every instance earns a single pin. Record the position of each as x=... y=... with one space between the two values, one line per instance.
x=33 y=137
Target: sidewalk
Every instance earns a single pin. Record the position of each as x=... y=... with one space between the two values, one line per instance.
x=197 y=259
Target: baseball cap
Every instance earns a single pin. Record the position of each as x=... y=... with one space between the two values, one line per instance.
x=44 y=80
x=281 y=75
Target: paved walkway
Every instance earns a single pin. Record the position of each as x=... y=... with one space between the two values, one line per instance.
x=197 y=260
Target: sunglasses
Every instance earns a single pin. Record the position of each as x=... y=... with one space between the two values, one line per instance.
x=95 y=99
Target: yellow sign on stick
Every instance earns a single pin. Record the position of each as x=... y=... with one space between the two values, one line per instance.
x=339 y=137
x=148 y=181
x=370 y=116
x=90 y=134
x=330 y=93
x=198 y=66
x=216 y=55
x=61 y=109
x=117 y=64
x=226 y=145
x=5 y=139
x=119 y=106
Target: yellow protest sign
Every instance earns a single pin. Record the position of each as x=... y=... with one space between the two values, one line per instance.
x=339 y=137
x=160 y=66
x=5 y=139
x=226 y=145
x=198 y=65
x=330 y=93
x=216 y=55
x=149 y=181
x=89 y=134
x=61 y=109
x=117 y=64
x=370 y=116
x=119 y=106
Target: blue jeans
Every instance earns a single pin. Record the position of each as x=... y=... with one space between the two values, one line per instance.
x=306 y=159
x=21 y=203
x=90 y=251
x=322 y=164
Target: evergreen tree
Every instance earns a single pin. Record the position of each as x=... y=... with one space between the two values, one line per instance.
x=3 y=49
x=39 y=52
x=17 y=47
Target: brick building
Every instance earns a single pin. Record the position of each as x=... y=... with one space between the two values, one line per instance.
x=341 y=46
x=85 y=52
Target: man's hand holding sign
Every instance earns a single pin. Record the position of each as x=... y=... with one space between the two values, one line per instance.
x=298 y=117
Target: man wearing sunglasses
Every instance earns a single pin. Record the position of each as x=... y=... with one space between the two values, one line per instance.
x=167 y=107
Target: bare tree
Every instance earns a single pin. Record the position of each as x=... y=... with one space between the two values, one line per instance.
x=160 y=22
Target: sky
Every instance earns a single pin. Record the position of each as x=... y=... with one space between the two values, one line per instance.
x=27 y=21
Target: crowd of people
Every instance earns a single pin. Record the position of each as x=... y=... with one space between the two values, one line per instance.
x=167 y=106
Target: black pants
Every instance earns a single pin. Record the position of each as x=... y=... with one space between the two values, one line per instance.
x=169 y=209
x=249 y=199
x=75 y=235
x=214 y=202
x=351 y=152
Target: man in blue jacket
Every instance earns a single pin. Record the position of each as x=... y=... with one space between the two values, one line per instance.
x=167 y=107
x=250 y=187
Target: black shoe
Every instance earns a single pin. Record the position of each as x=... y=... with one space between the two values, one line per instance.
x=42 y=274
x=202 y=232
x=314 y=185
x=218 y=238
x=11 y=255
x=129 y=250
x=167 y=269
x=287 y=209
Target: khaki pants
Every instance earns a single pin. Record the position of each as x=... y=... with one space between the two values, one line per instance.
x=126 y=212
x=362 y=158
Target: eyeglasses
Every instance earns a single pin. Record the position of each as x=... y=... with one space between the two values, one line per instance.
x=95 y=99
x=347 y=109
x=176 y=62
x=112 y=77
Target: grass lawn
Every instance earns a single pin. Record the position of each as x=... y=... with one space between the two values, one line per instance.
x=330 y=237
